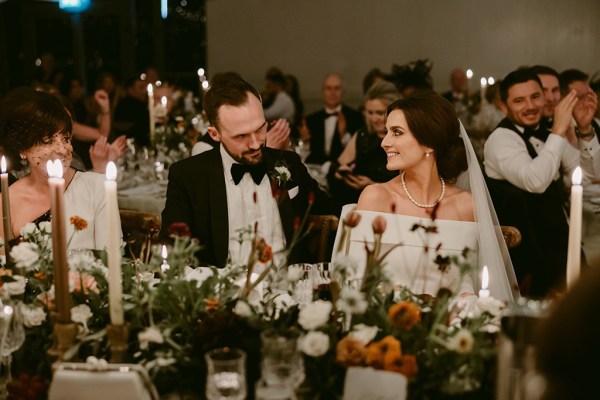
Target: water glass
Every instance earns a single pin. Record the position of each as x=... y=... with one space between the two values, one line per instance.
x=281 y=363
x=226 y=378
x=303 y=292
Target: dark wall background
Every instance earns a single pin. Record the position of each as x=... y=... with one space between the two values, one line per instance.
x=120 y=36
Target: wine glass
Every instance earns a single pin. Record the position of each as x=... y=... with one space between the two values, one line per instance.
x=226 y=378
x=12 y=337
x=282 y=365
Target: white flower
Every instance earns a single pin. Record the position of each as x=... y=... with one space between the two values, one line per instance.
x=29 y=230
x=295 y=272
x=352 y=301
x=462 y=342
x=315 y=314
x=199 y=274
x=242 y=309
x=150 y=335
x=17 y=287
x=284 y=301
x=25 y=255
x=32 y=316
x=314 y=344
x=45 y=226
x=81 y=314
x=283 y=172
x=488 y=305
x=363 y=333
x=346 y=265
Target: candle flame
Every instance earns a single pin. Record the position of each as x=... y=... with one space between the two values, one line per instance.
x=483 y=82
x=576 y=179
x=469 y=73
x=491 y=80
x=8 y=310
x=163 y=101
x=54 y=168
x=164 y=252
x=150 y=89
x=205 y=85
x=111 y=171
x=485 y=278
x=3 y=162
x=200 y=71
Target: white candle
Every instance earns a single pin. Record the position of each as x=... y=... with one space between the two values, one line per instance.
x=115 y=288
x=165 y=265
x=485 y=281
x=60 y=265
x=574 y=252
x=151 y=110
x=483 y=82
x=5 y=208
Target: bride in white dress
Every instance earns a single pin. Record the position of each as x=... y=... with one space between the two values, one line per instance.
x=439 y=174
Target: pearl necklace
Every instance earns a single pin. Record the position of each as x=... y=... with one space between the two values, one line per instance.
x=419 y=204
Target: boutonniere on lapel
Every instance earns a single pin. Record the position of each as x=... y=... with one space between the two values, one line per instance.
x=280 y=176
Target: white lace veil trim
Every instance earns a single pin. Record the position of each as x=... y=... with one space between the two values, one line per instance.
x=492 y=247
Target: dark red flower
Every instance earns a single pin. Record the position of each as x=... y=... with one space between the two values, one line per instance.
x=179 y=229
x=311 y=197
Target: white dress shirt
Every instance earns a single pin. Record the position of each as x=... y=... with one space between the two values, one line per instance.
x=243 y=213
x=506 y=157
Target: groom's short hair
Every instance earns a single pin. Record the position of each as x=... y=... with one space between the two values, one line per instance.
x=226 y=89
x=520 y=75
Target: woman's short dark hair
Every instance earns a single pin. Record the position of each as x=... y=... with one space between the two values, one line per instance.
x=433 y=122
x=226 y=89
x=29 y=118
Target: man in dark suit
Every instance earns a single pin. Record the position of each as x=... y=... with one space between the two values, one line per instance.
x=240 y=187
x=330 y=129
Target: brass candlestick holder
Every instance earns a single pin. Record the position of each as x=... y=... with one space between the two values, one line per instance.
x=118 y=339
x=65 y=335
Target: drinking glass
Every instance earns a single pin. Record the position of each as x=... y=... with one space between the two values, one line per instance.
x=303 y=292
x=12 y=336
x=282 y=365
x=226 y=378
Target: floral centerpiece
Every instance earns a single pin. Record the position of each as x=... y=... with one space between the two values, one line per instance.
x=178 y=310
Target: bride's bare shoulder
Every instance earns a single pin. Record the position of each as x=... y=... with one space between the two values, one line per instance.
x=376 y=197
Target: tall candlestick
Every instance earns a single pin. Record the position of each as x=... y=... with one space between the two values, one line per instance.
x=574 y=252
x=201 y=88
x=5 y=209
x=151 y=111
x=485 y=281
x=60 y=265
x=483 y=82
x=115 y=287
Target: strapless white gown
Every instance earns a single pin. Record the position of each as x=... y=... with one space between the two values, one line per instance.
x=409 y=264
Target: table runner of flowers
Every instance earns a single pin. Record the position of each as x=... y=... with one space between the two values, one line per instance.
x=444 y=345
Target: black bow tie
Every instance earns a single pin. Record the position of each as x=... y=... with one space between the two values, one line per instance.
x=257 y=171
x=329 y=115
x=540 y=133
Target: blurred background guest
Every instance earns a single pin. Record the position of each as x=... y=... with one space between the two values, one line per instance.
x=277 y=103
x=363 y=160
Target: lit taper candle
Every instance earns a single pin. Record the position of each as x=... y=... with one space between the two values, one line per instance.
x=574 y=252
x=115 y=286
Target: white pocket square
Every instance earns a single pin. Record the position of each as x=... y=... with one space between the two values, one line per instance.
x=293 y=192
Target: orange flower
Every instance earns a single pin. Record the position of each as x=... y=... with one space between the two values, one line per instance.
x=377 y=351
x=212 y=303
x=78 y=223
x=350 y=352
x=406 y=365
x=405 y=315
x=264 y=251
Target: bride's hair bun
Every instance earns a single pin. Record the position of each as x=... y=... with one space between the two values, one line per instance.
x=434 y=124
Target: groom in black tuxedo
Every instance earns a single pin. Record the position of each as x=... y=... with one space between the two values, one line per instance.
x=241 y=185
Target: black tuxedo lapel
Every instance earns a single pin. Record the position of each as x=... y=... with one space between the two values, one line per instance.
x=218 y=208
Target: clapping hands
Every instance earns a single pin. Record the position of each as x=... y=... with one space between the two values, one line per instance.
x=102 y=152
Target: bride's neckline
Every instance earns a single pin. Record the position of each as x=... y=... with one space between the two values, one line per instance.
x=417 y=217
